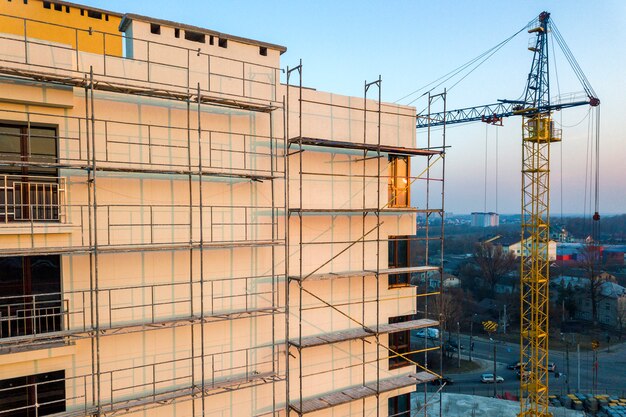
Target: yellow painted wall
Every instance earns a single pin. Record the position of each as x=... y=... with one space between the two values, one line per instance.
x=60 y=26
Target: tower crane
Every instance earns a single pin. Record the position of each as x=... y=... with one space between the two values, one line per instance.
x=538 y=133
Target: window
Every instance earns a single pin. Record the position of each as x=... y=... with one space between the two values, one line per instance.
x=194 y=36
x=29 y=187
x=399 y=342
x=94 y=15
x=262 y=50
x=30 y=295
x=399 y=406
x=67 y=9
x=399 y=168
x=46 y=5
x=176 y=33
x=399 y=257
x=58 y=7
x=33 y=395
x=222 y=43
x=155 y=29
x=211 y=40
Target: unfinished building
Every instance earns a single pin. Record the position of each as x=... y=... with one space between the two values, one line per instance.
x=184 y=235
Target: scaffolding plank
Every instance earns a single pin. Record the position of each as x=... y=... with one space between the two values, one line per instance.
x=123 y=407
x=407 y=325
x=409 y=269
x=350 y=274
x=370 y=147
x=149 y=247
x=358 y=333
x=139 y=88
x=350 y=394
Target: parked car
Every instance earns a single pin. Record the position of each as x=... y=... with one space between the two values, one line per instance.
x=488 y=379
x=443 y=380
x=452 y=346
x=429 y=333
x=514 y=366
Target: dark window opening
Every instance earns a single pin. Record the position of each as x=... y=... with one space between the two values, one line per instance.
x=67 y=9
x=176 y=33
x=222 y=43
x=155 y=29
x=94 y=15
x=195 y=36
x=399 y=406
x=399 y=257
x=82 y=12
x=33 y=395
x=31 y=295
x=399 y=342
x=211 y=40
x=263 y=50
x=106 y=17
x=25 y=1
x=399 y=181
x=46 y=5
x=58 y=7
x=29 y=187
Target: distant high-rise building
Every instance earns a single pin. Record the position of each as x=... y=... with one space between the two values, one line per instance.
x=480 y=219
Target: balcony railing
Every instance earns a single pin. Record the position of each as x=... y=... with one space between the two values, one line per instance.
x=69 y=312
x=32 y=315
x=28 y=198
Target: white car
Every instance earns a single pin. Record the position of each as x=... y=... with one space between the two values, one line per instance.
x=488 y=379
x=428 y=332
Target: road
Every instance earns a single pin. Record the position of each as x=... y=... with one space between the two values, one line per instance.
x=611 y=369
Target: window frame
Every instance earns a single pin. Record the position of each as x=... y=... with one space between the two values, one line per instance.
x=399 y=342
x=396 y=177
x=41 y=309
x=30 y=390
x=29 y=166
x=394 y=248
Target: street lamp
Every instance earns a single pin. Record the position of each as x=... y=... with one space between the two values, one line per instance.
x=458 y=341
x=471 y=343
x=563 y=338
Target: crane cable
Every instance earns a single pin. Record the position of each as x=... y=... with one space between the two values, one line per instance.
x=441 y=80
x=558 y=89
x=596 y=215
x=572 y=61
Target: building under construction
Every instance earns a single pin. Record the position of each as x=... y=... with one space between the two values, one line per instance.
x=183 y=234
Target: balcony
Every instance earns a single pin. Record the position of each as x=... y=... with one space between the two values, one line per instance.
x=30 y=198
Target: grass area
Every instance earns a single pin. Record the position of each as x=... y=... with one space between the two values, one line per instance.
x=451 y=366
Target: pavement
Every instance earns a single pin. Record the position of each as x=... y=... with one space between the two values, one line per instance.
x=455 y=405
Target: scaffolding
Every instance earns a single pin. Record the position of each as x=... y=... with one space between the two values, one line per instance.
x=96 y=148
x=363 y=326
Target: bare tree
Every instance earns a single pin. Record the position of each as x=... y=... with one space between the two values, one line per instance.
x=449 y=307
x=494 y=262
x=590 y=260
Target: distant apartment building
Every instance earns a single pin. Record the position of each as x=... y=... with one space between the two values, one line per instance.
x=515 y=247
x=183 y=235
x=481 y=219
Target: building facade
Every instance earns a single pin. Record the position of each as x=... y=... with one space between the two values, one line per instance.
x=184 y=235
x=481 y=219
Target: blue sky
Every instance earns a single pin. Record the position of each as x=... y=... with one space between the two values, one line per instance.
x=411 y=43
